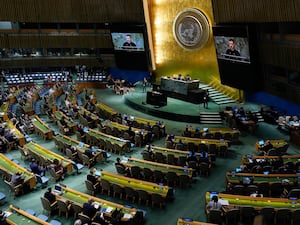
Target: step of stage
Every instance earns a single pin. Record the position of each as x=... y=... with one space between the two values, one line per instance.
x=259 y=116
x=216 y=96
x=210 y=118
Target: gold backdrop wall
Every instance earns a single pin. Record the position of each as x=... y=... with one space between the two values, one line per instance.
x=170 y=58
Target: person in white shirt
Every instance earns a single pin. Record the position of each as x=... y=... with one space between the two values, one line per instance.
x=214 y=204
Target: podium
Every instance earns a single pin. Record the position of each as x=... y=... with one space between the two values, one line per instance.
x=156 y=98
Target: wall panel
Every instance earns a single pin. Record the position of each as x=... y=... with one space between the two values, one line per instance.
x=58 y=61
x=232 y=11
x=44 y=41
x=285 y=56
x=116 y=11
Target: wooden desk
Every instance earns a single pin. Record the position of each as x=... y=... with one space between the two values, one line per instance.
x=197 y=141
x=122 y=128
x=4 y=111
x=64 y=141
x=80 y=198
x=48 y=155
x=213 y=130
x=16 y=132
x=8 y=168
x=144 y=121
x=124 y=144
x=175 y=152
x=276 y=144
x=19 y=216
x=41 y=128
x=187 y=221
x=82 y=110
x=286 y=158
x=257 y=202
x=136 y=184
x=72 y=125
x=106 y=111
x=165 y=168
x=237 y=178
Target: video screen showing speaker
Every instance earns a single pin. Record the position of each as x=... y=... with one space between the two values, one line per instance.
x=236 y=53
x=128 y=41
x=130 y=47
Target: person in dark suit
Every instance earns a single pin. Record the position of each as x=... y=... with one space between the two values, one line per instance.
x=206 y=99
x=231 y=50
x=89 y=209
x=50 y=196
x=91 y=177
x=128 y=44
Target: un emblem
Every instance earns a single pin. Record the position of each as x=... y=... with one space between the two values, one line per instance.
x=191 y=29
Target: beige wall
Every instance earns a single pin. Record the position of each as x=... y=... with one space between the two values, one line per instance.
x=169 y=57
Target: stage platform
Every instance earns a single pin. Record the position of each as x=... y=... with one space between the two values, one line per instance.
x=175 y=109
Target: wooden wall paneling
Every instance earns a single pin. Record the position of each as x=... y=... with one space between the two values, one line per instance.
x=256 y=11
x=286 y=56
x=4 y=41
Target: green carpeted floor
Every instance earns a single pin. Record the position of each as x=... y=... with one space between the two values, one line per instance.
x=189 y=202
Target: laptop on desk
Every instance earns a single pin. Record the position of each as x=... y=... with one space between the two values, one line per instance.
x=58 y=190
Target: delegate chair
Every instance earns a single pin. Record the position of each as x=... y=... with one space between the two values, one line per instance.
x=214 y=216
x=93 y=188
x=118 y=190
x=268 y=214
x=296 y=217
x=76 y=208
x=232 y=217
x=63 y=207
x=14 y=189
x=48 y=206
x=130 y=193
x=247 y=214
x=84 y=218
x=105 y=186
x=157 y=199
x=120 y=170
x=143 y=196
x=283 y=217
x=42 y=180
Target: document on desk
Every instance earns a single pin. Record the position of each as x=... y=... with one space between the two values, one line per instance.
x=224 y=202
x=109 y=209
x=127 y=216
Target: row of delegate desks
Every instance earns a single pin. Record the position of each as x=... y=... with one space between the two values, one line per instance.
x=165 y=168
x=8 y=168
x=4 y=111
x=213 y=130
x=110 y=113
x=275 y=143
x=188 y=221
x=18 y=216
x=197 y=141
x=107 y=207
x=67 y=141
x=123 y=128
x=41 y=128
x=20 y=137
x=93 y=116
x=238 y=178
x=123 y=144
x=38 y=151
x=106 y=111
x=136 y=184
x=249 y=159
x=236 y=201
x=72 y=125
x=168 y=151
